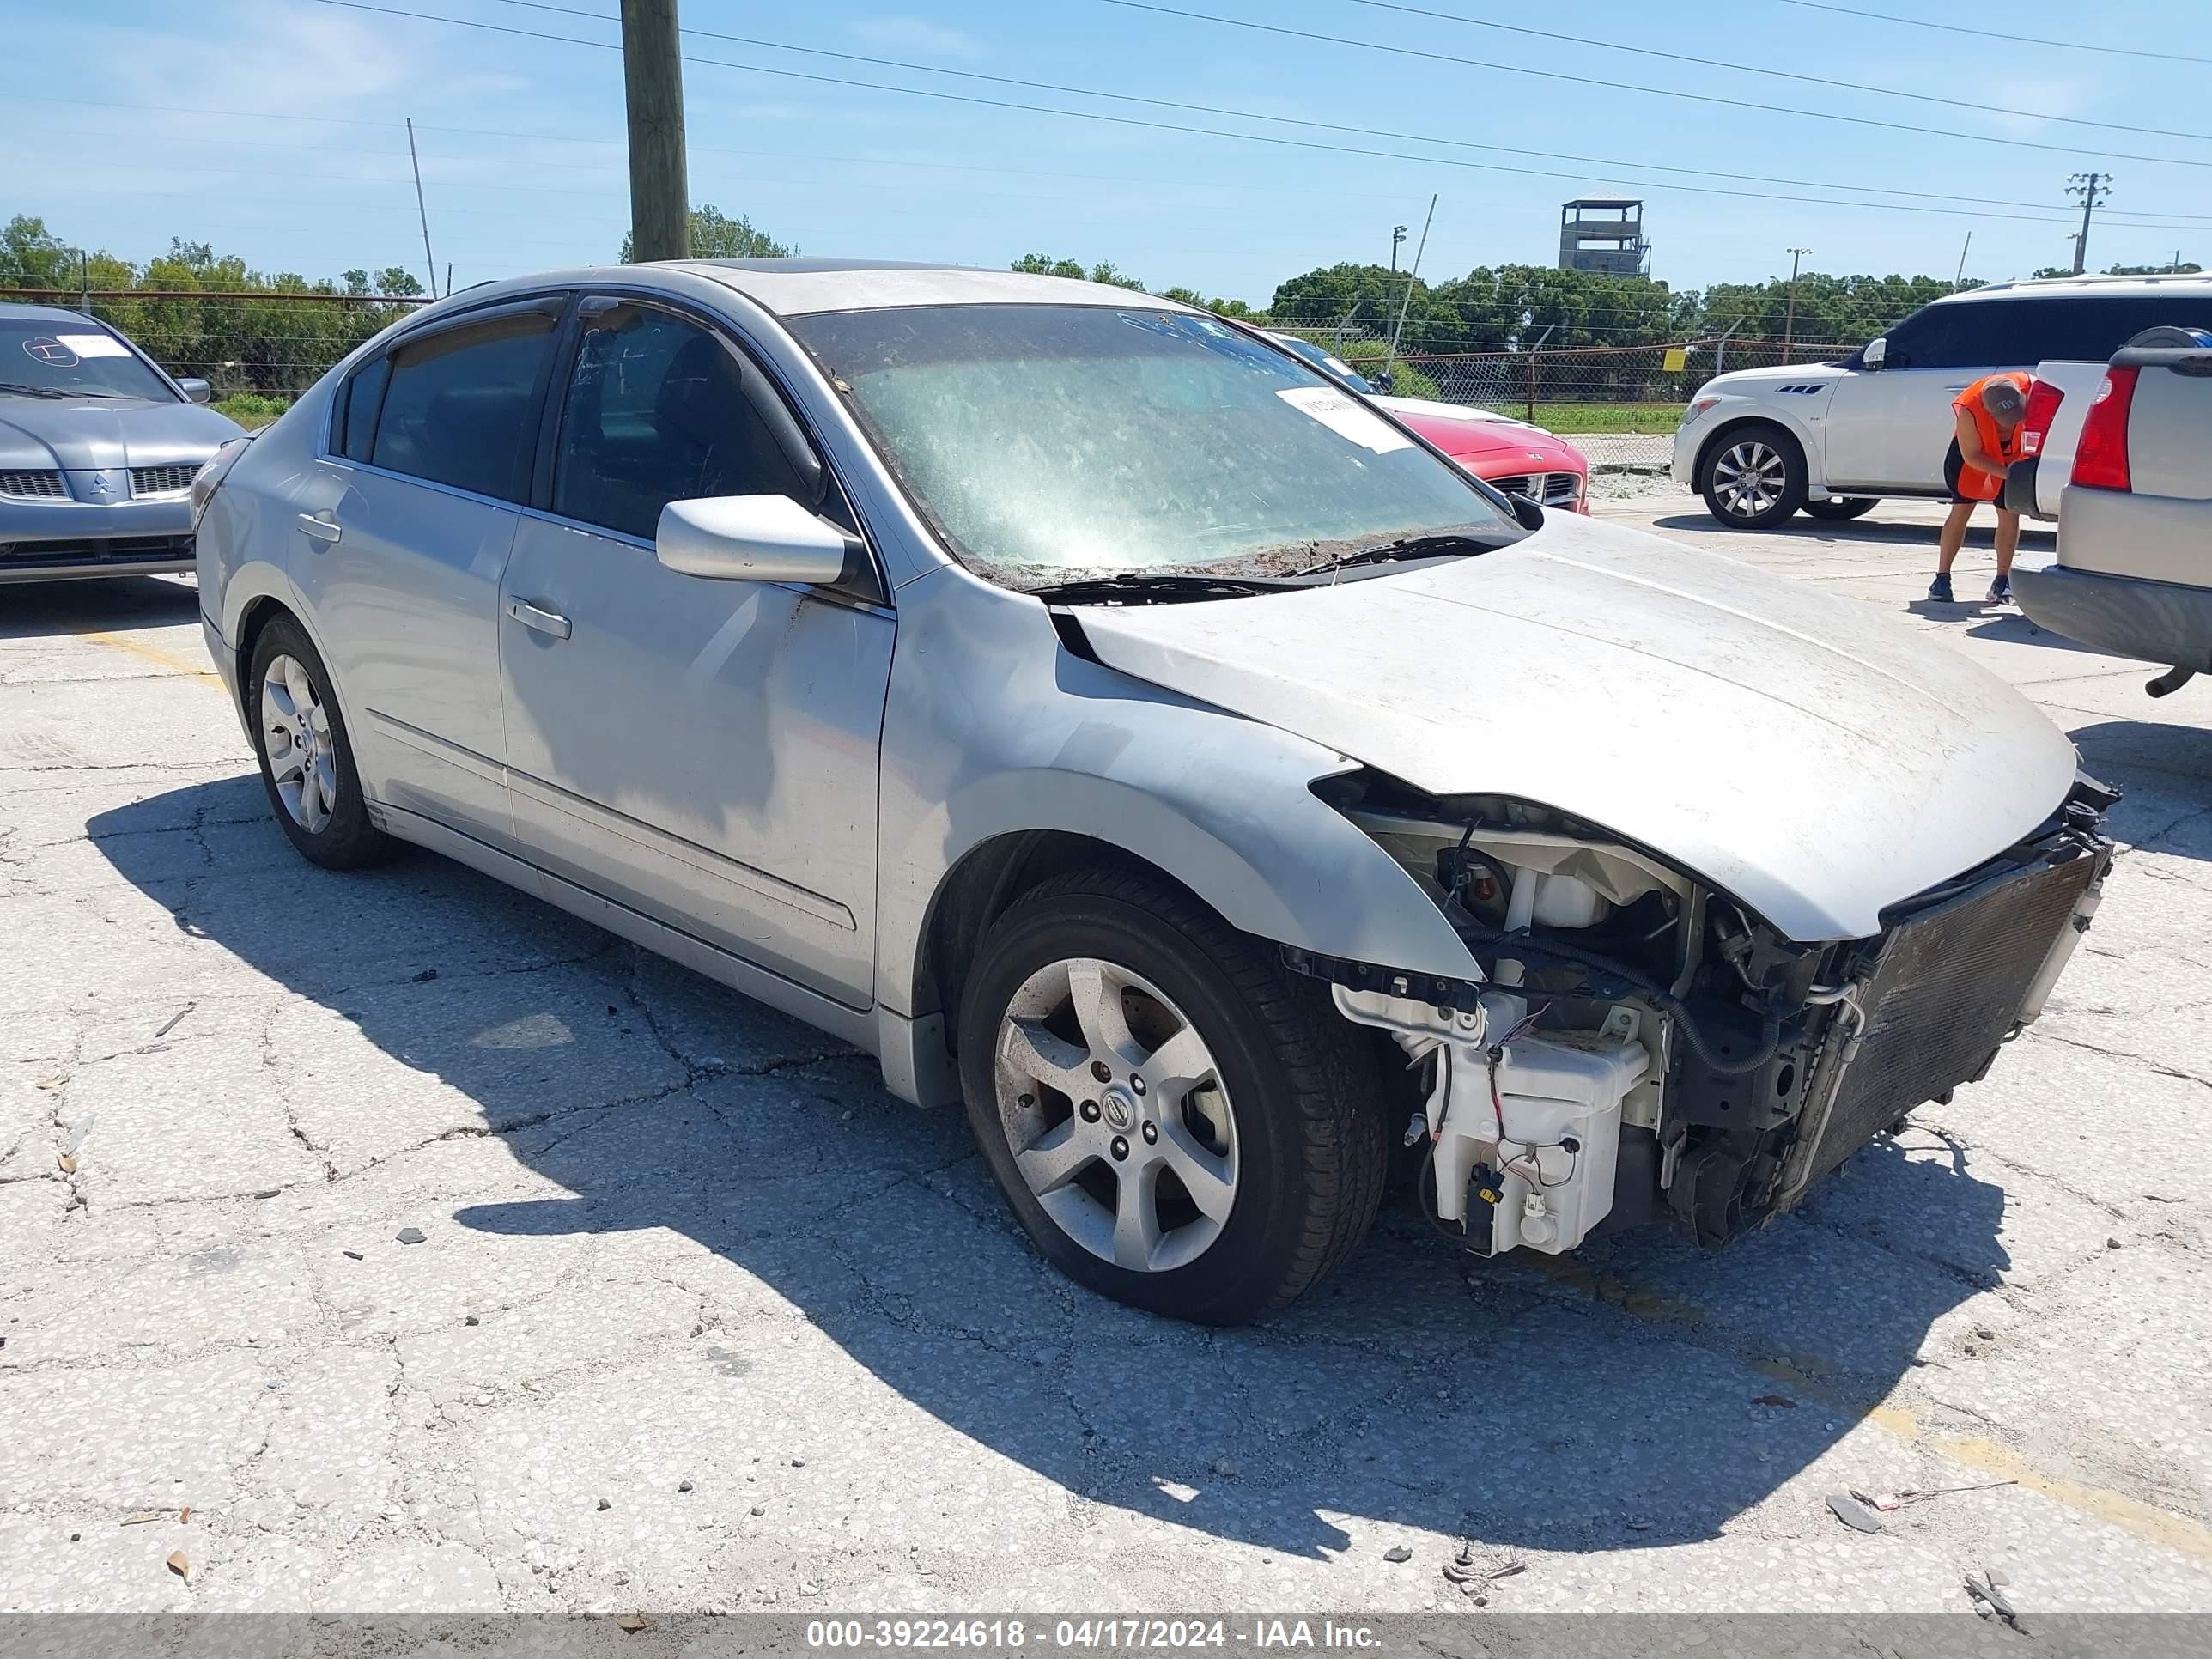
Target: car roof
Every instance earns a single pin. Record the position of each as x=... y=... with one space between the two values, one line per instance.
x=793 y=288
x=13 y=310
x=2192 y=283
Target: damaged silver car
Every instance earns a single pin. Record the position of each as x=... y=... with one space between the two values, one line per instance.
x=1112 y=724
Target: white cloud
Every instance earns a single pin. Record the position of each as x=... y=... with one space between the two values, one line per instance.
x=916 y=34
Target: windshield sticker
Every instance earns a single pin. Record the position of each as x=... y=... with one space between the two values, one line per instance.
x=1346 y=417
x=51 y=352
x=95 y=345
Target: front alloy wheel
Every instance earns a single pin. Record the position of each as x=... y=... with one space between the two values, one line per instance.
x=1754 y=477
x=1175 y=1121
x=1115 y=1109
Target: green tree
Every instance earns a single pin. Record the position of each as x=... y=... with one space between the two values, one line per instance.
x=715 y=236
x=1043 y=264
x=31 y=256
x=399 y=281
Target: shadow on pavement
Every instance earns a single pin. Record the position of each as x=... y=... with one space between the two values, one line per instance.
x=1979 y=533
x=1643 y=1393
x=2003 y=623
x=95 y=604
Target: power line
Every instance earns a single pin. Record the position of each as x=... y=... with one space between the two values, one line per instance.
x=1767 y=70
x=1215 y=132
x=1620 y=86
x=2006 y=35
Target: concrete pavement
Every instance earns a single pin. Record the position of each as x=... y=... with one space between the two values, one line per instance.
x=701 y=1318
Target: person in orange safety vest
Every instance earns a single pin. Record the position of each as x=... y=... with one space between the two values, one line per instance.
x=1987 y=417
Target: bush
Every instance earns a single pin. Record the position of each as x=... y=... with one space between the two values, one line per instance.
x=251 y=409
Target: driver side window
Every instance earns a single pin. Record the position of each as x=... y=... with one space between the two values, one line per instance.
x=655 y=411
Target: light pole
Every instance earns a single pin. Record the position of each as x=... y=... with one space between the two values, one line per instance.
x=1397 y=235
x=1790 y=315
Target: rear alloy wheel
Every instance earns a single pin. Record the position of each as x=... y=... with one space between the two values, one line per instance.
x=1837 y=508
x=1754 y=477
x=1176 y=1121
x=307 y=758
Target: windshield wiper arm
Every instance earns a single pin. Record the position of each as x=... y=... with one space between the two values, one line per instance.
x=1140 y=586
x=1409 y=547
x=32 y=390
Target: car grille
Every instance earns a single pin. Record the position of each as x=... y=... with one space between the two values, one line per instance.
x=119 y=549
x=1552 y=488
x=1944 y=993
x=33 y=486
x=164 y=480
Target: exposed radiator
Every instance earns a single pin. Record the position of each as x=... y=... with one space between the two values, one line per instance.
x=1944 y=993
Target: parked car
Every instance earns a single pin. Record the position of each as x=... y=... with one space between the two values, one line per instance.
x=1510 y=455
x=1506 y=454
x=1833 y=438
x=98 y=450
x=2058 y=403
x=1110 y=722
x=2134 y=571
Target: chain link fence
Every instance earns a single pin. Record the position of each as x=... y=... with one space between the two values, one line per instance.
x=258 y=351
x=1619 y=405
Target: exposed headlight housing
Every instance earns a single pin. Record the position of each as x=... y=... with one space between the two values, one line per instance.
x=209 y=477
x=1699 y=406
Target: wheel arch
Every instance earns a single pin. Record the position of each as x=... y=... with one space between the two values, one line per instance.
x=1756 y=416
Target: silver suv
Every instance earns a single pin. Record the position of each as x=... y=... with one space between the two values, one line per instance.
x=1110 y=722
x=2134 y=571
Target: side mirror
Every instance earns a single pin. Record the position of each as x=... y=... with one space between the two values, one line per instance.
x=1876 y=353
x=196 y=390
x=751 y=538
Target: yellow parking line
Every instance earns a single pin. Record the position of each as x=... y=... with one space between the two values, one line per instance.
x=152 y=653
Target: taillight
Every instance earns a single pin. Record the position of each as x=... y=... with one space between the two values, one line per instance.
x=2042 y=401
x=210 y=477
x=2100 y=461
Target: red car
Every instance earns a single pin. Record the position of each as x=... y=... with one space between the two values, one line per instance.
x=1505 y=454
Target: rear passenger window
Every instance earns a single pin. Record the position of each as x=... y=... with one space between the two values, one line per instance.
x=356 y=423
x=458 y=410
x=656 y=413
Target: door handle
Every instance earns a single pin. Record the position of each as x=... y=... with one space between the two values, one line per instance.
x=1961 y=386
x=545 y=622
x=321 y=528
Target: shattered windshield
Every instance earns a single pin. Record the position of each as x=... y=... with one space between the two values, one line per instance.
x=1050 y=441
x=79 y=359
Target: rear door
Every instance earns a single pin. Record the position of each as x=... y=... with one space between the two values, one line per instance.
x=407 y=523
x=1890 y=428
x=703 y=752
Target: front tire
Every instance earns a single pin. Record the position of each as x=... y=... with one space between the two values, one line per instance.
x=1752 y=476
x=1176 y=1121
x=1838 y=509
x=307 y=757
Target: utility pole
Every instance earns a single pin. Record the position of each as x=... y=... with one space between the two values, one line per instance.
x=652 y=81
x=1390 y=357
x=429 y=264
x=2093 y=188
x=1397 y=235
x=1961 y=276
x=1790 y=315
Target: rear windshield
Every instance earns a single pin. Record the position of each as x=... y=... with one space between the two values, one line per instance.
x=1048 y=442
x=79 y=356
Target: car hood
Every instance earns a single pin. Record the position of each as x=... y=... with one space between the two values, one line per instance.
x=1794 y=749
x=1490 y=443
x=81 y=434
x=1748 y=379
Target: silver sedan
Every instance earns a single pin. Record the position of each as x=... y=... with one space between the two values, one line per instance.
x=1085 y=706
x=98 y=450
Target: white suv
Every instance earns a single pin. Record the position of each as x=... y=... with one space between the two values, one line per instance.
x=1833 y=438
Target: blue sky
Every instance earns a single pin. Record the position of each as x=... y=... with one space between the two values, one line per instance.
x=126 y=122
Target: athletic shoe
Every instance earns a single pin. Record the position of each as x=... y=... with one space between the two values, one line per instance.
x=2000 y=591
x=1940 y=589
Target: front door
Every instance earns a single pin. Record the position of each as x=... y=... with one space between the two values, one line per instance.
x=701 y=751
x=1891 y=429
x=401 y=534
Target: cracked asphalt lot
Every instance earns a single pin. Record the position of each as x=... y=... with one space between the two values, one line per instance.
x=701 y=1319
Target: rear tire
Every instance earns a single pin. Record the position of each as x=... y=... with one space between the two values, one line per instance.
x=1260 y=1094
x=1837 y=508
x=306 y=757
x=1752 y=476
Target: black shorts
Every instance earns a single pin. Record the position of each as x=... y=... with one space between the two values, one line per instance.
x=1954 y=463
